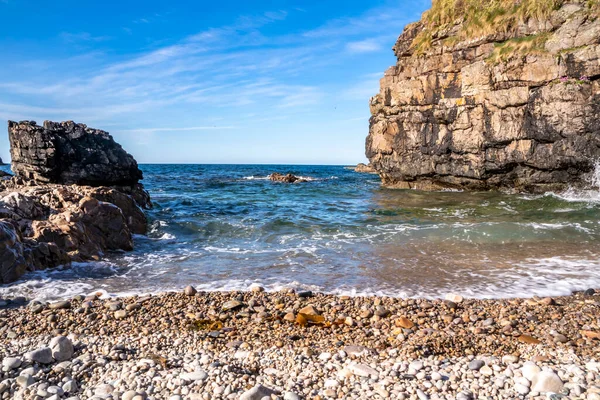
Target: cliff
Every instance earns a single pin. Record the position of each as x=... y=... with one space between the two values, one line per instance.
x=491 y=95
x=47 y=218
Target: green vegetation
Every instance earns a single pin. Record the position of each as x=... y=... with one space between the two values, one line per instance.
x=594 y=7
x=534 y=44
x=481 y=17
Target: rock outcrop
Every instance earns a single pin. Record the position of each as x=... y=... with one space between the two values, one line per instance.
x=289 y=178
x=365 y=169
x=513 y=105
x=45 y=223
x=69 y=153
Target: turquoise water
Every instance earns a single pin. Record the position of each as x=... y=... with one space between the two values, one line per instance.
x=227 y=227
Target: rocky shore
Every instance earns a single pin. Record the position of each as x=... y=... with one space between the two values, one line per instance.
x=75 y=195
x=288 y=345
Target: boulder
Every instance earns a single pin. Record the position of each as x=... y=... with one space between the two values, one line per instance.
x=511 y=109
x=69 y=153
x=25 y=206
x=12 y=260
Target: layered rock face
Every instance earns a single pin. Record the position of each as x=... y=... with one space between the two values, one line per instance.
x=512 y=108
x=45 y=223
x=69 y=153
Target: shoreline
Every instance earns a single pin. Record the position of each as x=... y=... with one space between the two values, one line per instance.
x=220 y=345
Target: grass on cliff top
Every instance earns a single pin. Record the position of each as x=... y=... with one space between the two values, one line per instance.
x=481 y=17
x=534 y=44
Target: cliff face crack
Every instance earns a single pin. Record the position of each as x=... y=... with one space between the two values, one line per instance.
x=449 y=116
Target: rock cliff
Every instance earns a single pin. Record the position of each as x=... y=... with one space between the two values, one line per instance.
x=69 y=153
x=489 y=94
x=44 y=222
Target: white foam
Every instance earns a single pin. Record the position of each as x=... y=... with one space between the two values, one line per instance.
x=590 y=195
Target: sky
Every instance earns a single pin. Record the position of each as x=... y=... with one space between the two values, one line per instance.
x=270 y=82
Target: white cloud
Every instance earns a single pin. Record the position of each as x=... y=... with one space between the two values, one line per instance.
x=234 y=67
x=364 y=46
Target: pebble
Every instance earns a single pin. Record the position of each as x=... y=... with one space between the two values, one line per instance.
x=41 y=356
x=25 y=380
x=194 y=376
x=190 y=291
x=530 y=370
x=62 y=348
x=257 y=393
x=476 y=365
x=363 y=370
x=10 y=363
x=60 y=305
x=546 y=381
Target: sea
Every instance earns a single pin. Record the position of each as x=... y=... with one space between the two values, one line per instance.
x=228 y=228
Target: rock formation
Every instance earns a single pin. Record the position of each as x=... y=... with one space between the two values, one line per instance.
x=513 y=104
x=45 y=223
x=69 y=153
x=364 y=169
x=289 y=178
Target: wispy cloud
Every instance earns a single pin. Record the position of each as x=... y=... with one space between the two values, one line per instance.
x=174 y=129
x=232 y=67
x=82 y=37
x=364 y=46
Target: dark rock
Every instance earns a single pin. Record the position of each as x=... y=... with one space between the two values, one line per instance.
x=289 y=178
x=590 y=292
x=12 y=260
x=45 y=225
x=458 y=115
x=69 y=153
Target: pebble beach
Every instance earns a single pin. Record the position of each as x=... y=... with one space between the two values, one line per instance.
x=300 y=345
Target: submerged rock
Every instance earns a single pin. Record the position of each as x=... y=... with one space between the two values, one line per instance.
x=365 y=169
x=289 y=178
x=69 y=153
x=513 y=108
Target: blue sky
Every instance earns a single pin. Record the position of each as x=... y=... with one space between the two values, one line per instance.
x=203 y=82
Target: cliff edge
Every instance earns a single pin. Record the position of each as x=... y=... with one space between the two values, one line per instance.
x=488 y=95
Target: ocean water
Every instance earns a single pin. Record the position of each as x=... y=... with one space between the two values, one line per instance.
x=227 y=227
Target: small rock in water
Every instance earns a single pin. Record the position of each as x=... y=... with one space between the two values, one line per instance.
x=305 y=294
x=190 y=291
x=590 y=292
x=257 y=393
